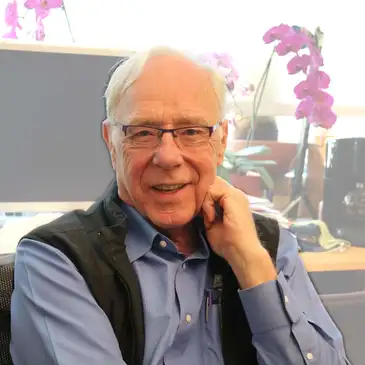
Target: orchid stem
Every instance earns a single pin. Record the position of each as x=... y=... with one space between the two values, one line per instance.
x=258 y=97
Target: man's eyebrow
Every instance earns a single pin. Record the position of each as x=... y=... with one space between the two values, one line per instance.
x=191 y=121
x=179 y=121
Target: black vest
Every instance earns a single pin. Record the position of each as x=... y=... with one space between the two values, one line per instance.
x=94 y=242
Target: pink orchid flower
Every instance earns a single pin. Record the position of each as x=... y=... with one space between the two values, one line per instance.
x=40 y=33
x=11 y=15
x=292 y=43
x=317 y=109
x=315 y=81
x=45 y=4
x=42 y=13
x=224 y=63
x=318 y=114
x=307 y=104
x=247 y=89
x=323 y=98
x=315 y=54
x=305 y=108
x=318 y=78
x=11 y=34
x=304 y=89
x=315 y=104
x=299 y=63
x=322 y=116
x=223 y=59
x=42 y=9
x=11 y=20
x=277 y=33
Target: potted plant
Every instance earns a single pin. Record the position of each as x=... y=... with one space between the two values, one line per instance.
x=237 y=166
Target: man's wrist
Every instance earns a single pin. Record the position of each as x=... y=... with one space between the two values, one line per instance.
x=252 y=267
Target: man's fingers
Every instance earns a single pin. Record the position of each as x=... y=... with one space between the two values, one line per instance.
x=219 y=189
x=208 y=210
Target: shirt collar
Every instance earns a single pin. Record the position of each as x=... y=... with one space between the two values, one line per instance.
x=142 y=236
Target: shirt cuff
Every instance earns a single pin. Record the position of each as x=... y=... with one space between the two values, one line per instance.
x=270 y=305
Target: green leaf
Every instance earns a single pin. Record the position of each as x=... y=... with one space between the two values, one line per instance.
x=245 y=168
x=319 y=36
x=266 y=178
x=228 y=165
x=260 y=163
x=253 y=151
x=229 y=155
x=263 y=162
x=240 y=162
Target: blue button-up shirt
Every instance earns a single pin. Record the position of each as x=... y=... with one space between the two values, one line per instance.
x=56 y=321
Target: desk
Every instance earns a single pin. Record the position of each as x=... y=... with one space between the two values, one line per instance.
x=337 y=272
x=353 y=258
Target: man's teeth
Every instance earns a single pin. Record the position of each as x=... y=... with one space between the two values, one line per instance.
x=164 y=187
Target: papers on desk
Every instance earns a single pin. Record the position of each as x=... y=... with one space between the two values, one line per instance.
x=15 y=229
x=266 y=208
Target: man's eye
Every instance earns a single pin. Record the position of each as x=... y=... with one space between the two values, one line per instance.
x=191 y=132
x=143 y=133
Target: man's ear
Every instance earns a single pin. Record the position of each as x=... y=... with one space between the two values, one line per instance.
x=222 y=142
x=107 y=136
x=106 y=133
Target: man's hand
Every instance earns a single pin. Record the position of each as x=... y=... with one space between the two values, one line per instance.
x=234 y=237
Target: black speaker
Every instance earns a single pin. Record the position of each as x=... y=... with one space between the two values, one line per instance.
x=344 y=189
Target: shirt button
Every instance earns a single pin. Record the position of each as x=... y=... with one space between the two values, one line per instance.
x=188 y=318
x=163 y=244
x=309 y=356
x=286 y=300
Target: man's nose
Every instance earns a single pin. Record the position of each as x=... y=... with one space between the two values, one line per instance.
x=167 y=154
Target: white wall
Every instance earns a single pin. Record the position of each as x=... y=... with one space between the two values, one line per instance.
x=231 y=25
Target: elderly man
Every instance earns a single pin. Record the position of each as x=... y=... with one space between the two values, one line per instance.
x=170 y=266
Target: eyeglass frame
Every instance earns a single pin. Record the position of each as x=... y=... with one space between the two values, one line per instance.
x=162 y=131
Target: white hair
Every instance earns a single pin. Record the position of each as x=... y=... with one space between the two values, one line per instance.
x=128 y=72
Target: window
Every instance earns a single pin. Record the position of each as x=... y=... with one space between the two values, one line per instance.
x=231 y=26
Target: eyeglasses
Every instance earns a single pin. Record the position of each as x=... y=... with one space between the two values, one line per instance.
x=144 y=136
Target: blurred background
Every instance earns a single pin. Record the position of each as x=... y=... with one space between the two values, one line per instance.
x=52 y=158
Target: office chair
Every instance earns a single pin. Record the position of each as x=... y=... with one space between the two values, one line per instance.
x=347 y=311
x=6 y=288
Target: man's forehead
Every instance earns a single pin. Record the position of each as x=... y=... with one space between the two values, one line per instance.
x=172 y=85
x=148 y=118
x=174 y=74
x=170 y=64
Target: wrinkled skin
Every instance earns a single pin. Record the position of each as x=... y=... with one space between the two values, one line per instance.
x=170 y=92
